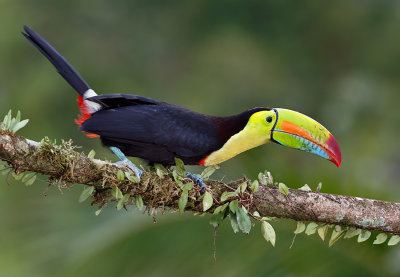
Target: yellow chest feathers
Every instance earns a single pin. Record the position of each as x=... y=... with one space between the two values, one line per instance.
x=254 y=134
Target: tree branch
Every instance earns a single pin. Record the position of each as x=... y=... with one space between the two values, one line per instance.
x=65 y=165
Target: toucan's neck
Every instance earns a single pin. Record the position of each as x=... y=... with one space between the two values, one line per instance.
x=230 y=125
x=236 y=135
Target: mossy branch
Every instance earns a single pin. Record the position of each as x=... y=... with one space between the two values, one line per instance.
x=62 y=164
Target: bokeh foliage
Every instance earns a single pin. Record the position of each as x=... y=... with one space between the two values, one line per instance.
x=336 y=62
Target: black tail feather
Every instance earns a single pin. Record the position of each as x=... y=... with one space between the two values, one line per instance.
x=61 y=64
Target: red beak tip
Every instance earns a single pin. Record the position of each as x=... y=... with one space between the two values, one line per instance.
x=336 y=158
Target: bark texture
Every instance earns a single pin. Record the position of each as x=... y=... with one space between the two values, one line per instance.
x=62 y=164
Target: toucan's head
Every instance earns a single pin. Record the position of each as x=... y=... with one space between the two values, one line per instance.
x=296 y=130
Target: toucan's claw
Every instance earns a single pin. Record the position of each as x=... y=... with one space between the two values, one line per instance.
x=127 y=162
x=197 y=180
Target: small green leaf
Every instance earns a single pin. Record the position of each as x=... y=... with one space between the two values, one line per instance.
x=183 y=201
x=305 y=188
x=283 y=189
x=5 y=171
x=243 y=220
x=122 y=201
x=116 y=193
x=18 y=117
x=311 y=228
x=352 y=232
x=119 y=193
x=254 y=186
x=262 y=179
x=220 y=208
x=242 y=187
x=256 y=214
x=180 y=166
x=380 y=238
x=86 y=193
x=234 y=222
x=159 y=173
x=131 y=177
x=19 y=125
x=199 y=214
x=207 y=172
x=12 y=124
x=120 y=175
x=268 y=232
x=4 y=123
x=177 y=178
x=160 y=167
x=31 y=180
x=301 y=226
x=27 y=177
x=217 y=218
x=234 y=206
x=225 y=195
x=337 y=233
x=323 y=231
x=207 y=201
x=363 y=236
x=17 y=176
x=8 y=122
x=395 y=239
x=188 y=186
x=91 y=154
x=175 y=175
x=139 y=202
x=269 y=179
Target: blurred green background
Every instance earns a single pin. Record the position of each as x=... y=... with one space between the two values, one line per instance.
x=337 y=62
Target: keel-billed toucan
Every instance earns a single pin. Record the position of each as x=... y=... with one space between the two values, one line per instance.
x=158 y=132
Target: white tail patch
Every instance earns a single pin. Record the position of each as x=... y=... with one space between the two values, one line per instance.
x=92 y=106
x=89 y=93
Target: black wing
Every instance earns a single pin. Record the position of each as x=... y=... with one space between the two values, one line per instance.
x=153 y=130
x=108 y=101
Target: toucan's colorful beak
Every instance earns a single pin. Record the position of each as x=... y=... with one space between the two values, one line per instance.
x=301 y=132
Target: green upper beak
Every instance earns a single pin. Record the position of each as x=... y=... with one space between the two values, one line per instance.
x=301 y=132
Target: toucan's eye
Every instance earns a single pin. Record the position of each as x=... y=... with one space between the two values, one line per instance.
x=269 y=119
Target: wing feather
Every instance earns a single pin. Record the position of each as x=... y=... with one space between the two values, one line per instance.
x=108 y=101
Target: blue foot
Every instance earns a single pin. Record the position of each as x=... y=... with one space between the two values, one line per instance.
x=197 y=180
x=125 y=161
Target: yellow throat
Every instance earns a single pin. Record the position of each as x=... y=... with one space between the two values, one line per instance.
x=255 y=133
